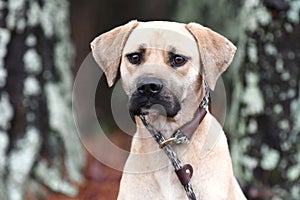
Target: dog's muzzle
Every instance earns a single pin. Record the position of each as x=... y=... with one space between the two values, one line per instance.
x=152 y=95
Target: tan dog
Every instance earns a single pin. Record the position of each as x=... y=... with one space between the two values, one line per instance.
x=163 y=66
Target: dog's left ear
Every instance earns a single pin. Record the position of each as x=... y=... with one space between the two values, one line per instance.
x=107 y=49
x=216 y=52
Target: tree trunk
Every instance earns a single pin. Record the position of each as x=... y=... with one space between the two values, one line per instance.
x=263 y=121
x=267 y=100
x=38 y=141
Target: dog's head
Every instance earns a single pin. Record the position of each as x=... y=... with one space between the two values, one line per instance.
x=163 y=65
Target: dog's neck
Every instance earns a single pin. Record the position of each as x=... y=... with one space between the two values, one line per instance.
x=143 y=142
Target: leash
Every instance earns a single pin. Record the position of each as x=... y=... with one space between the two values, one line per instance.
x=182 y=135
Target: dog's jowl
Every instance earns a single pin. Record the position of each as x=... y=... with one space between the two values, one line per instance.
x=164 y=68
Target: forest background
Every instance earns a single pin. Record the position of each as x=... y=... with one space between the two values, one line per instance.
x=43 y=44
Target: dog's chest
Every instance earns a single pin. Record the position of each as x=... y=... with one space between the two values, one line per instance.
x=169 y=184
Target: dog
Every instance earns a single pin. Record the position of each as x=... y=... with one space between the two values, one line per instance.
x=164 y=67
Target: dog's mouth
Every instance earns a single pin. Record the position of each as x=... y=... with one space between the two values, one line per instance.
x=165 y=104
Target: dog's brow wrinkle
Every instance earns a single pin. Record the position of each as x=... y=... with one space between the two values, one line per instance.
x=172 y=49
x=142 y=47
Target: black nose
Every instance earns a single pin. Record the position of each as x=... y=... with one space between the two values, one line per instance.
x=149 y=86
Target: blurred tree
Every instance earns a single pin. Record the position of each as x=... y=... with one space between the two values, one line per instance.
x=38 y=142
x=263 y=120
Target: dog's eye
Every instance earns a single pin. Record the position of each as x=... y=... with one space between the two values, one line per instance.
x=134 y=58
x=177 y=60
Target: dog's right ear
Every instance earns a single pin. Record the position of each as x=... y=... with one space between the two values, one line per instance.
x=216 y=52
x=107 y=49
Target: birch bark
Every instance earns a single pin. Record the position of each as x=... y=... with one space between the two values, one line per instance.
x=38 y=141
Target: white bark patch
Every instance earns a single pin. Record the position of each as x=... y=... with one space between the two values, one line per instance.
x=3 y=145
x=295 y=107
x=32 y=61
x=259 y=15
x=31 y=40
x=59 y=95
x=57 y=108
x=253 y=126
x=15 y=16
x=6 y=111
x=62 y=56
x=60 y=120
x=293 y=12
x=54 y=179
x=43 y=15
x=252 y=92
x=49 y=12
x=4 y=39
x=270 y=158
x=279 y=65
x=293 y=172
x=263 y=15
x=20 y=162
x=34 y=13
x=3 y=75
x=252 y=53
x=270 y=49
x=52 y=17
x=31 y=86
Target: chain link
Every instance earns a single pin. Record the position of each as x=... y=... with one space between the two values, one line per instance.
x=205 y=101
